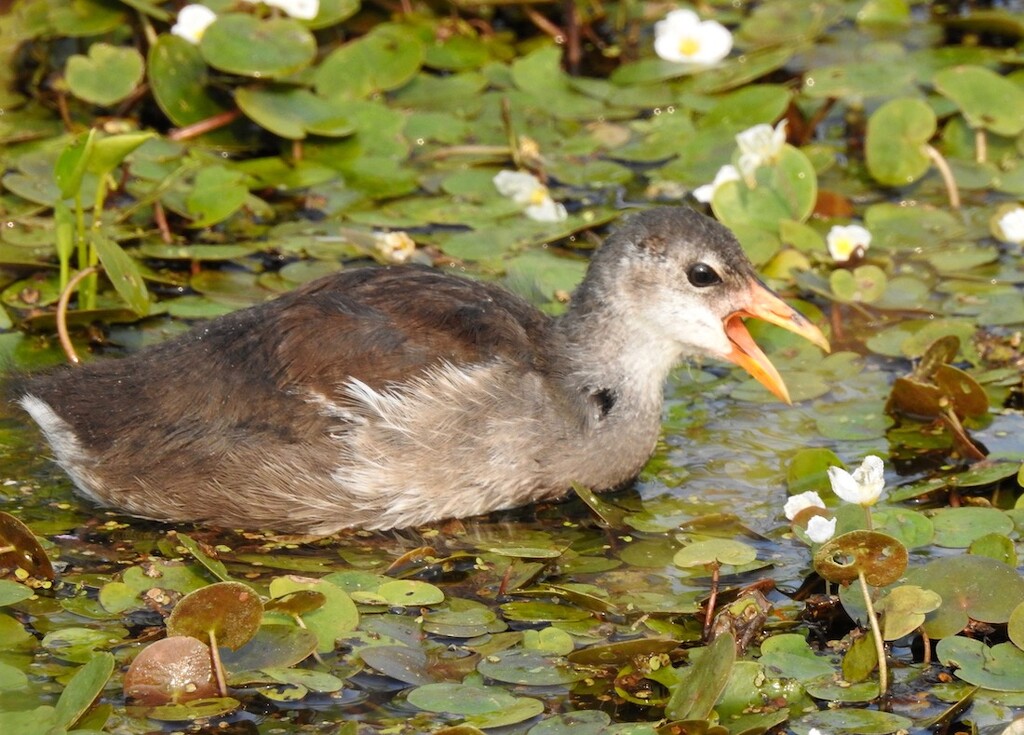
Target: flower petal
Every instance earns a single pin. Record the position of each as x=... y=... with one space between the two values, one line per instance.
x=820 y=529
x=843 y=485
x=797 y=503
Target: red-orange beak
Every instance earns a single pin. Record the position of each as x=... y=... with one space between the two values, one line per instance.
x=765 y=305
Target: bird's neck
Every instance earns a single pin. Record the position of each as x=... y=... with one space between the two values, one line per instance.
x=614 y=358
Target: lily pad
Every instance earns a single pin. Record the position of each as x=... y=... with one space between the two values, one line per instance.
x=271 y=48
x=21 y=549
x=971 y=587
x=1000 y=667
x=171 y=670
x=896 y=143
x=293 y=113
x=518 y=666
x=879 y=558
x=107 y=75
x=226 y=614
x=957 y=528
x=988 y=100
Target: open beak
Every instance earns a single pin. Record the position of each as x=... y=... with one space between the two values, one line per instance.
x=765 y=305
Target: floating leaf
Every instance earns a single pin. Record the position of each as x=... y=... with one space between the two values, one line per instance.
x=1000 y=667
x=107 y=75
x=714 y=551
x=957 y=528
x=22 y=549
x=171 y=670
x=337 y=616
x=896 y=142
x=243 y=44
x=225 y=613
x=880 y=558
x=293 y=113
x=904 y=608
x=988 y=100
x=178 y=77
x=971 y=587
x=217 y=193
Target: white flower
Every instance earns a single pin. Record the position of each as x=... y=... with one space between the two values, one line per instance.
x=394 y=247
x=846 y=241
x=820 y=529
x=816 y=731
x=797 y=503
x=301 y=9
x=682 y=37
x=864 y=487
x=704 y=194
x=193 y=20
x=525 y=188
x=1011 y=225
x=759 y=146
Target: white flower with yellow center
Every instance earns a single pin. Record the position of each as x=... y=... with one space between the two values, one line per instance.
x=864 y=487
x=525 y=188
x=394 y=247
x=845 y=241
x=704 y=194
x=1011 y=225
x=683 y=38
x=192 y=22
x=759 y=146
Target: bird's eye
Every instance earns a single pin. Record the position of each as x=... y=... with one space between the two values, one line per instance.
x=702 y=275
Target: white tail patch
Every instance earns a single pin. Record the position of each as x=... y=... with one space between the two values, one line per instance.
x=62 y=438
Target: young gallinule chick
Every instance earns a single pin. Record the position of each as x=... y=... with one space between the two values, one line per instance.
x=389 y=397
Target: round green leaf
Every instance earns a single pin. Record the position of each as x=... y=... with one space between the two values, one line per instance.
x=385 y=58
x=243 y=44
x=337 y=616
x=1000 y=667
x=957 y=528
x=988 y=100
x=293 y=113
x=107 y=75
x=895 y=144
x=178 y=76
x=784 y=190
x=229 y=612
x=171 y=670
x=880 y=558
x=714 y=551
x=971 y=587
x=864 y=284
x=518 y=666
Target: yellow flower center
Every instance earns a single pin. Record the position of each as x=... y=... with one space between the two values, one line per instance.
x=689 y=46
x=538 y=195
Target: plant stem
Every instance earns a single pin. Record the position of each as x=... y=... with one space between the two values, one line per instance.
x=980 y=145
x=62 y=313
x=712 y=598
x=883 y=668
x=218 y=667
x=947 y=176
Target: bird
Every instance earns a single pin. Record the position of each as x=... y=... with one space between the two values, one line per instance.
x=386 y=397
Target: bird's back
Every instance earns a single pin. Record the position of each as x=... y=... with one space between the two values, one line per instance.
x=260 y=407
